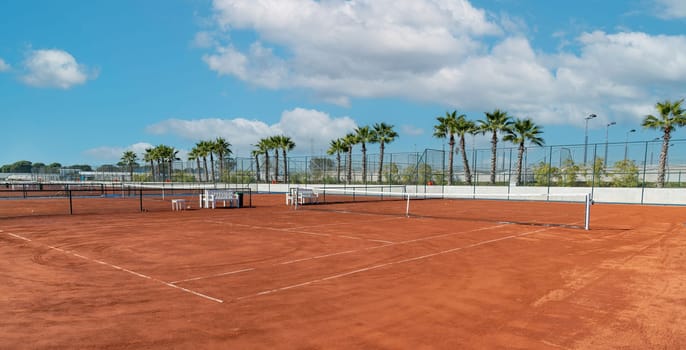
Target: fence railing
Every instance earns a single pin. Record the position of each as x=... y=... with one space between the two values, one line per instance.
x=626 y=164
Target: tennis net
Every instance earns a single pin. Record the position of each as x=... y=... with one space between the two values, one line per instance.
x=545 y=209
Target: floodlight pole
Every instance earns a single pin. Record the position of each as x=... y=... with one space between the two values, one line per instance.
x=607 y=130
x=589 y=117
x=626 y=142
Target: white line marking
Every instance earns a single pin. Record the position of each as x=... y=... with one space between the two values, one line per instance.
x=121 y=269
x=18 y=236
x=378 y=266
x=211 y=276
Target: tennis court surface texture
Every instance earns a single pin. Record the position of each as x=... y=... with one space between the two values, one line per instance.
x=271 y=277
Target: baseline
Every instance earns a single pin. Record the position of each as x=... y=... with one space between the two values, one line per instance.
x=72 y=253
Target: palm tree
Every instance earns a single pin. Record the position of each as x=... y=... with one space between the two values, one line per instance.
x=284 y=143
x=149 y=156
x=159 y=152
x=364 y=135
x=672 y=116
x=264 y=146
x=129 y=158
x=222 y=148
x=446 y=128
x=521 y=131
x=171 y=156
x=350 y=140
x=256 y=152
x=495 y=121
x=203 y=152
x=194 y=155
x=272 y=143
x=207 y=149
x=336 y=147
x=464 y=127
x=384 y=134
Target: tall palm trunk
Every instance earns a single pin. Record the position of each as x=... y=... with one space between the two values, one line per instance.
x=285 y=166
x=520 y=157
x=364 y=163
x=212 y=166
x=450 y=159
x=152 y=169
x=338 y=167
x=276 y=165
x=467 y=172
x=662 y=165
x=257 y=166
x=207 y=175
x=494 y=145
x=197 y=160
x=350 y=166
x=382 y=146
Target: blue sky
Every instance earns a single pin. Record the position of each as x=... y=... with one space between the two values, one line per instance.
x=83 y=81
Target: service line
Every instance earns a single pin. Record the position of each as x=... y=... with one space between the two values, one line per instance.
x=397 y=262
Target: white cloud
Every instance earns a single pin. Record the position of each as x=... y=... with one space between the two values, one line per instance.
x=114 y=153
x=308 y=128
x=54 y=68
x=447 y=52
x=4 y=66
x=203 y=40
x=671 y=9
x=411 y=130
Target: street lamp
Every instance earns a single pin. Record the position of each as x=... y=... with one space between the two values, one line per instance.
x=626 y=142
x=590 y=116
x=607 y=129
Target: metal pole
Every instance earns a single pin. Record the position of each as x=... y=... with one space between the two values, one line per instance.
x=587 y=221
x=626 y=142
x=589 y=117
x=607 y=131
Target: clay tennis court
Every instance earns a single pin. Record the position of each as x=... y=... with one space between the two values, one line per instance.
x=272 y=277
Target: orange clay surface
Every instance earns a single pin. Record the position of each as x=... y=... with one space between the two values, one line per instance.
x=270 y=277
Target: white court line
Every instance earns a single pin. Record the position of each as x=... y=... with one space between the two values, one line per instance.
x=387 y=244
x=120 y=269
x=215 y=275
x=17 y=236
x=290 y=230
x=374 y=267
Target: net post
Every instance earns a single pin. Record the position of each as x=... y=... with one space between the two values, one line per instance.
x=407 y=208
x=71 y=208
x=587 y=218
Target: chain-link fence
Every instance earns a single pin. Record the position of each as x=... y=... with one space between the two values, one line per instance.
x=626 y=164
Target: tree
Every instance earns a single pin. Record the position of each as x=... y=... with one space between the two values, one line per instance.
x=521 y=131
x=285 y=144
x=273 y=142
x=544 y=172
x=256 y=152
x=350 y=140
x=128 y=159
x=626 y=174
x=150 y=156
x=495 y=121
x=568 y=172
x=384 y=134
x=671 y=116
x=464 y=127
x=446 y=128
x=265 y=145
x=205 y=149
x=336 y=147
x=222 y=148
x=364 y=135
x=194 y=155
